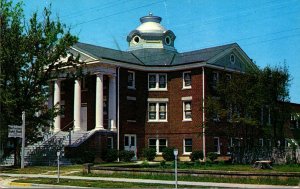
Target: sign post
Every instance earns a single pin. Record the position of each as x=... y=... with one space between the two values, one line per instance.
x=176 y=154
x=23 y=140
x=58 y=171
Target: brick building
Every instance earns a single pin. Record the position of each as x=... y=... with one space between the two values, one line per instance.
x=149 y=96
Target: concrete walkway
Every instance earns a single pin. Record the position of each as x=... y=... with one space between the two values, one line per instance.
x=186 y=183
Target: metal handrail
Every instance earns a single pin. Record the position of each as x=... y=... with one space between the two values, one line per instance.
x=53 y=136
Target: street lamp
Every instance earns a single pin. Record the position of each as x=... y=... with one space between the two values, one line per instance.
x=175 y=154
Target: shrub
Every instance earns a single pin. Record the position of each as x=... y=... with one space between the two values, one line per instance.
x=168 y=154
x=149 y=153
x=163 y=163
x=110 y=155
x=212 y=156
x=196 y=155
x=126 y=155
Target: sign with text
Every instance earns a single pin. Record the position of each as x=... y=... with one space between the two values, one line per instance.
x=14 y=131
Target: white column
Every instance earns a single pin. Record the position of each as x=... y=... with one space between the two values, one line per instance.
x=77 y=104
x=99 y=102
x=56 y=102
x=112 y=103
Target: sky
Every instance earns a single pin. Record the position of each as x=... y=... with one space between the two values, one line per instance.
x=267 y=30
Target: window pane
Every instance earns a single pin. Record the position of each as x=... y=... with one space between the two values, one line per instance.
x=132 y=141
x=162 y=115
x=163 y=142
x=162 y=81
x=152 y=142
x=188 y=149
x=162 y=110
x=126 y=141
x=187 y=79
x=130 y=79
x=187 y=105
x=188 y=142
x=152 y=81
x=152 y=107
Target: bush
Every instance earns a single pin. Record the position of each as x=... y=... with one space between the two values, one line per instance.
x=196 y=155
x=168 y=154
x=110 y=155
x=212 y=156
x=149 y=154
x=126 y=155
x=163 y=164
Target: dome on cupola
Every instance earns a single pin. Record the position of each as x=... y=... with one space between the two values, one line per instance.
x=151 y=34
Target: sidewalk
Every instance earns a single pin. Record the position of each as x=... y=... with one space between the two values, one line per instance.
x=186 y=183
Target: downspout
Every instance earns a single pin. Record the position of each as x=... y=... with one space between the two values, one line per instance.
x=118 y=113
x=203 y=114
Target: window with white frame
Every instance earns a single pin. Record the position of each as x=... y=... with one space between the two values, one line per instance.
x=187 y=146
x=157 y=81
x=187 y=80
x=217 y=145
x=158 y=144
x=157 y=110
x=187 y=110
x=131 y=80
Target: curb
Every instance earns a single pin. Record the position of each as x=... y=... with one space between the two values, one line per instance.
x=20 y=184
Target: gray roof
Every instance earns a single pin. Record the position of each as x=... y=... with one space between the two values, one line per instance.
x=152 y=57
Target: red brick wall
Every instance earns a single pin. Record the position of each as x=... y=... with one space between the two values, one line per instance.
x=175 y=130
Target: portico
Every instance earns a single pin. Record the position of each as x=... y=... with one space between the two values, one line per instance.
x=82 y=110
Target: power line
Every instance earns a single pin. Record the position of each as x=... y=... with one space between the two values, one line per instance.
x=117 y=13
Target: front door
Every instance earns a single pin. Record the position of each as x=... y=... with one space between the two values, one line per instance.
x=130 y=144
x=83 y=117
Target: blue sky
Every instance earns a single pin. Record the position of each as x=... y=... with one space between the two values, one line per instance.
x=267 y=30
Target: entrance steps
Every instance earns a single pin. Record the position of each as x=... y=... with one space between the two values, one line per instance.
x=44 y=152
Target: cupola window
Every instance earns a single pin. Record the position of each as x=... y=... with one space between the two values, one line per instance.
x=168 y=40
x=136 y=39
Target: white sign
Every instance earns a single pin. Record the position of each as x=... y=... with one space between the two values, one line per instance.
x=14 y=131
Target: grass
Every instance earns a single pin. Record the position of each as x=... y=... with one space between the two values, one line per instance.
x=243 y=180
x=77 y=170
x=208 y=166
x=97 y=184
x=44 y=169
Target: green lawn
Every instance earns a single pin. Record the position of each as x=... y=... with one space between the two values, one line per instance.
x=209 y=166
x=98 y=184
x=77 y=170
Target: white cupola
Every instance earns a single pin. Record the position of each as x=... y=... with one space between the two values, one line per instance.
x=151 y=34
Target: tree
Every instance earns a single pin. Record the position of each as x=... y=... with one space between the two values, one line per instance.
x=31 y=54
x=251 y=104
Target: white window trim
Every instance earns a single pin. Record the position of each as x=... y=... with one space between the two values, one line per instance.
x=157 y=111
x=183 y=83
x=183 y=110
x=218 y=152
x=157 y=144
x=157 y=82
x=184 y=151
x=133 y=81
